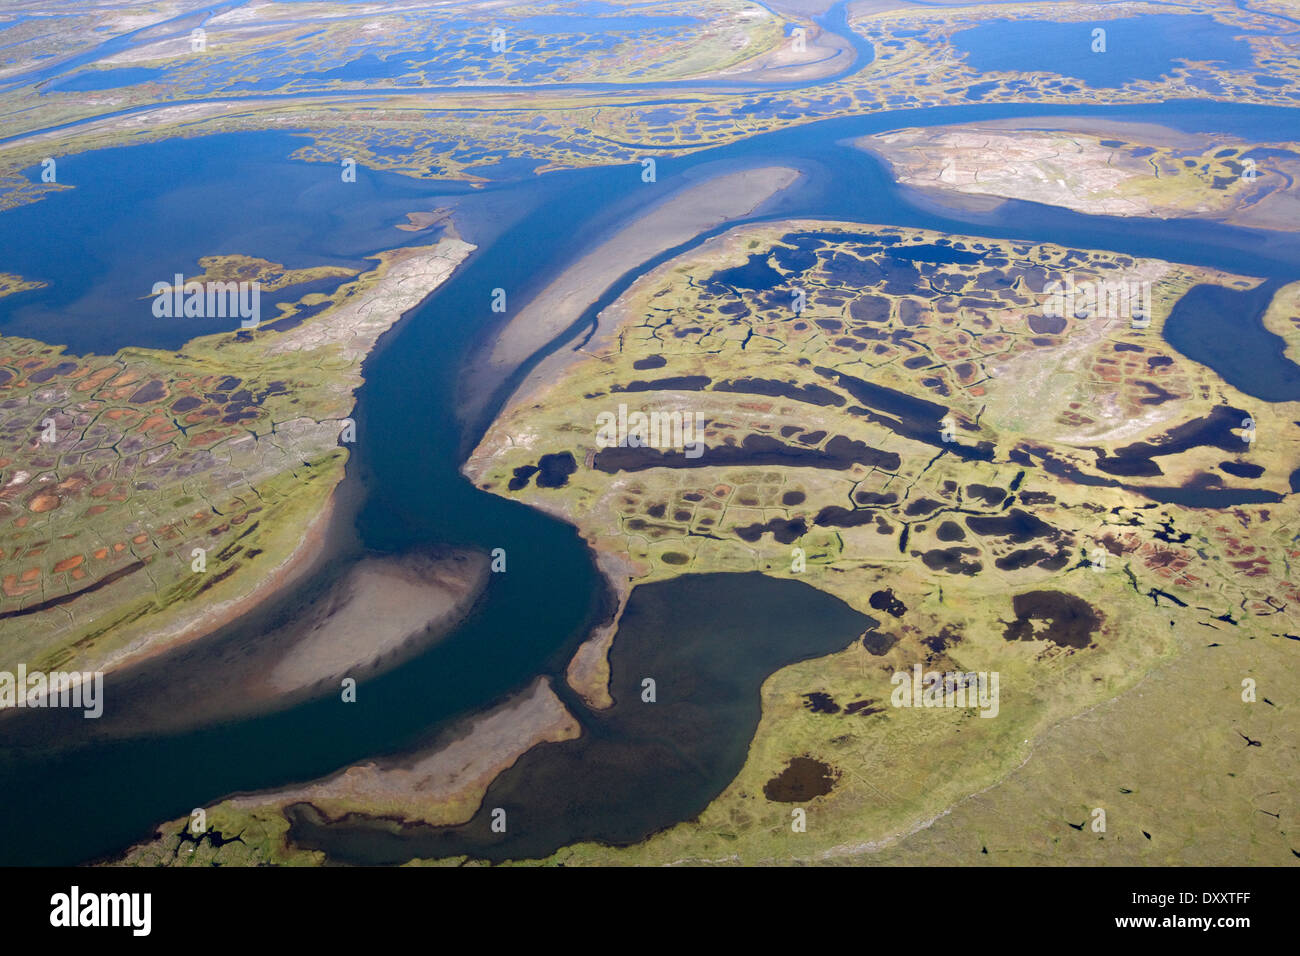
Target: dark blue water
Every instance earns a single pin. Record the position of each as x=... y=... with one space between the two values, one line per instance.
x=608 y=784
x=1249 y=356
x=177 y=200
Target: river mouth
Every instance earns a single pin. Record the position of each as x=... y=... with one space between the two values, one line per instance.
x=407 y=460
x=685 y=673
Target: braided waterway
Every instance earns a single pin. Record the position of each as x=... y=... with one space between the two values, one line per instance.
x=66 y=797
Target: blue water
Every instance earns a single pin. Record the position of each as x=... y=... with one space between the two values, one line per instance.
x=536 y=47
x=1138 y=48
x=107 y=79
x=550 y=42
x=437 y=70
x=118 y=44
x=155 y=209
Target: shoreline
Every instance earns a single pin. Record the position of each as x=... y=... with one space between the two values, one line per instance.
x=1069 y=163
x=694 y=209
x=307 y=556
x=310 y=521
x=359 y=620
x=443 y=782
x=587 y=672
x=405 y=598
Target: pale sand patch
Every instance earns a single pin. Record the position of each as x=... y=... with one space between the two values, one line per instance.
x=694 y=210
x=444 y=783
x=1042 y=167
x=1061 y=161
x=405 y=277
x=99 y=19
x=420 y=221
x=201 y=621
x=823 y=55
x=366 y=619
x=1100 y=126
x=377 y=608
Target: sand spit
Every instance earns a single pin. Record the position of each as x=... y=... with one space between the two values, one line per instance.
x=443 y=783
x=824 y=54
x=693 y=210
x=141 y=616
x=588 y=670
x=690 y=212
x=297 y=566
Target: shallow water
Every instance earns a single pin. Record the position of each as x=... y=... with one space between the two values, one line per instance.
x=1136 y=48
x=640 y=764
x=175 y=201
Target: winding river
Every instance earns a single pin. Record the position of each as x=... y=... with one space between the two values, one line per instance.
x=65 y=799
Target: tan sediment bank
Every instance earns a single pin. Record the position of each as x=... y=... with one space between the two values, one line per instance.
x=306 y=557
x=380 y=605
x=695 y=209
x=588 y=670
x=375 y=614
x=823 y=54
x=692 y=211
x=443 y=783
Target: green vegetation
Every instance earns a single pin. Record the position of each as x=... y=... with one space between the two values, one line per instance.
x=116 y=469
x=974 y=557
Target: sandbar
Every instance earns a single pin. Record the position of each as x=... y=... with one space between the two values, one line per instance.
x=441 y=784
x=693 y=210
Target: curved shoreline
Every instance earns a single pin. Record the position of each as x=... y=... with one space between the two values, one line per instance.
x=684 y=749
x=693 y=209
x=308 y=556
x=443 y=782
x=170 y=609
x=546 y=317
x=308 y=646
